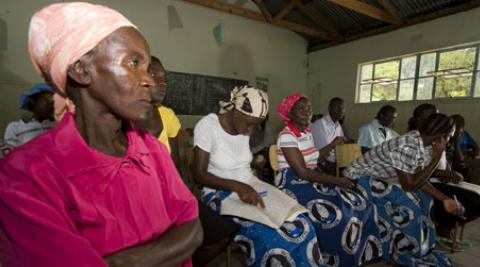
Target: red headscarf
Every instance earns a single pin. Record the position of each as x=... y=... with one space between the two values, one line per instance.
x=284 y=109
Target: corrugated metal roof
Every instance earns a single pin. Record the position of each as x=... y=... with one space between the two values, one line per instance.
x=351 y=24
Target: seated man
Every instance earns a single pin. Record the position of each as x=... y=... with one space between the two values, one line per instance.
x=328 y=132
x=468 y=145
x=39 y=101
x=378 y=130
x=163 y=123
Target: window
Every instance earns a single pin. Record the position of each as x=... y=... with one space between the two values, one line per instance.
x=447 y=73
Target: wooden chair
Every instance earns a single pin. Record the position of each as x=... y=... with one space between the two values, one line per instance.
x=272 y=156
x=345 y=154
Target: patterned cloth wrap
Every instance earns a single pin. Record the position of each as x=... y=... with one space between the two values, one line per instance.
x=344 y=220
x=406 y=230
x=293 y=244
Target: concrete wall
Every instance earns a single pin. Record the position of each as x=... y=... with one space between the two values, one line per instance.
x=251 y=49
x=333 y=71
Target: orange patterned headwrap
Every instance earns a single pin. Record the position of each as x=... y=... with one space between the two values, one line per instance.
x=62 y=33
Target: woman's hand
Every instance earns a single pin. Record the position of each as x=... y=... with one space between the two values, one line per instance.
x=453 y=207
x=439 y=146
x=344 y=182
x=248 y=195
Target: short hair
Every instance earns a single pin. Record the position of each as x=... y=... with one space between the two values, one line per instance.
x=385 y=109
x=435 y=124
x=459 y=120
x=155 y=59
x=413 y=122
x=335 y=101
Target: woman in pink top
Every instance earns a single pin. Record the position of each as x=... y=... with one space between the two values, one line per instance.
x=94 y=190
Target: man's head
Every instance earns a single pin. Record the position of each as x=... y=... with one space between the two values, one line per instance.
x=336 y=108
x=387 y=115
x=157 y=71
x=39 y=101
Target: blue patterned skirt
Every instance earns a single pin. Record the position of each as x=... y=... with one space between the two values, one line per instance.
x=406 y=230
x=343 y=219
x=293 y=244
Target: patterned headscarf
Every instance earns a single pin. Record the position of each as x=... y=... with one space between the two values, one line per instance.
x=284 y=109
x=248 y=100
x=62 y=33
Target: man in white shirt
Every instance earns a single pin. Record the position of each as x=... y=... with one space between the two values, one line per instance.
x=378 y=130
x=327 y=132
x=39 y=101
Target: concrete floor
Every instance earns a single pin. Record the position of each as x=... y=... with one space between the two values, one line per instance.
x=467 y=258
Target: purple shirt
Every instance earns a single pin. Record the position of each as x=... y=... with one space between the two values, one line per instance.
x=63 y=203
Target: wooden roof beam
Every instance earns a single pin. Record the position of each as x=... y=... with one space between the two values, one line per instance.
x=287 y=9
x=390 y=8
x=264 y=10
x=367 y=10
x=246 y=13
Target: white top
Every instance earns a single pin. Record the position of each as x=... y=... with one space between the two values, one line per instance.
x=304 y=143
x=373 y=134
x=230 y=155
x=19 y=132
x=324 y=132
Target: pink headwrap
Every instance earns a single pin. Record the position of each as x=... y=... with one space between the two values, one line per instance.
x=284 y=109
x=62 y=33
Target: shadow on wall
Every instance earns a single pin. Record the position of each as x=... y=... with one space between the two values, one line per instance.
x=236 y=61
x=11 y=85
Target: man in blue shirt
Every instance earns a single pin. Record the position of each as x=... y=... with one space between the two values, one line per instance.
x=378 y=130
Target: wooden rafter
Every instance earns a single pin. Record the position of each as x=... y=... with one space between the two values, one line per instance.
x=243 y=12
x=445 y=12
x=322 y=23
x=287 y=9
x=367 y=10
x=264 y=10
x=390 y=8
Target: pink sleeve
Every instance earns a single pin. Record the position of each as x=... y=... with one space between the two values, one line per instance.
x=34 y=233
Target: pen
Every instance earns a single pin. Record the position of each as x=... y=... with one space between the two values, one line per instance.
x=263 y=193
x=458 y=204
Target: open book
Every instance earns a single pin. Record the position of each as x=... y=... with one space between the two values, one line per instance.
x=464 y=185
x=279 y=207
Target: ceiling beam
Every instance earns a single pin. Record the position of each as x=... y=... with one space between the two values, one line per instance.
x=322 y=23
x=246 y=13
x=264 y=10
x=390 y=8
x=441 y=13
x=285 y=11
x=367 y=10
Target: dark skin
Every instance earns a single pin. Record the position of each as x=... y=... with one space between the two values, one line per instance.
x=154 y=124
x=385 y=119
x=300 y=117
x=234 y=123
x=41 y=105
x=110 y=87
x=337 y=111
x=419 y=180
x=444 y=175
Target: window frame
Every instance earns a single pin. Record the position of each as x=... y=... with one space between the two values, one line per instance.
x=475 y=70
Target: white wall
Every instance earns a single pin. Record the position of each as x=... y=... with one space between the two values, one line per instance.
x=251 y=49
x=333 y=71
